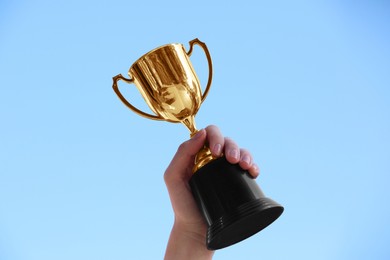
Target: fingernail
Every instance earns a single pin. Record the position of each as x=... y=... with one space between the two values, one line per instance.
x=217 y=149
x=246 y=159
x=234 y=153
x=197 y=135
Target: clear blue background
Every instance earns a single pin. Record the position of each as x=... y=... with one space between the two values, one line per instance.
x=305 y=85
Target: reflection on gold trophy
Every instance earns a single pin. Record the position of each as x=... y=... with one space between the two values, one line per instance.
x=231 y=202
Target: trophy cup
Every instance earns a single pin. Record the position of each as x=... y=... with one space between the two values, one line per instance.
x=229 y=199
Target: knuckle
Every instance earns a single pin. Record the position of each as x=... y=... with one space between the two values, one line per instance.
x=230 y=142
x=167 y=174
x=245 y=152
x=182 y=147
x=214 y=127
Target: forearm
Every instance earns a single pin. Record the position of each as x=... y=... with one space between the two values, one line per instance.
x=184 y=244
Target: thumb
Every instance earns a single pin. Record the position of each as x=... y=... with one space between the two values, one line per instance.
x=184 y=157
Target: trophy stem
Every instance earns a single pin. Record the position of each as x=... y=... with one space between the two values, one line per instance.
x=189 y=122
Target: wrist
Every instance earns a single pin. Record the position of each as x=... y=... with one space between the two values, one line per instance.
x=188 y=242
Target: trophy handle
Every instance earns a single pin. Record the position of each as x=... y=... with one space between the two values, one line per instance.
x=205 y=49
x=127 y=103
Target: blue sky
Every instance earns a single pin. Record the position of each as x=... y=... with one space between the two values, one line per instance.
x=304 y=85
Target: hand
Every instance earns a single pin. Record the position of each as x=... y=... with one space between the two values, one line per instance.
x=188 y=235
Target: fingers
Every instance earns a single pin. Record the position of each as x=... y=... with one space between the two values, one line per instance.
x=219 y=145
x=216 y=140
x=232 y=151
x=254 y=170
x=246 y=163
x=245 y=159
x=181 y=165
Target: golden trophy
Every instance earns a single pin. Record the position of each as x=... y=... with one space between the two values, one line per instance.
x=230 y=200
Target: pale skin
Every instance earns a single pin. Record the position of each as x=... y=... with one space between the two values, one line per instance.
x=188 y=235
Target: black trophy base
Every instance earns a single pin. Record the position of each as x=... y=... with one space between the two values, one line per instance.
x=231 y=202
